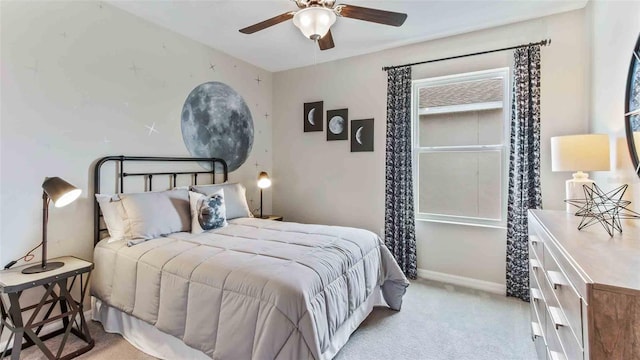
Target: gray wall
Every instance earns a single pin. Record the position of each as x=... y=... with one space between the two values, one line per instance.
x=69 y=97
x=322 y=182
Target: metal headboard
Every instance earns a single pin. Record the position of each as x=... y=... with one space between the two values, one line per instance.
x=121 y=174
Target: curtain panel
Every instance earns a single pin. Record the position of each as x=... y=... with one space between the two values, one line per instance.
x=524 y=167
x=399 y=229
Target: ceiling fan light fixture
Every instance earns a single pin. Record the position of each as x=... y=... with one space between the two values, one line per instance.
x=314 y=22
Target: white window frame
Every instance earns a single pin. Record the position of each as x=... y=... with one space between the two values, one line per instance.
x=503 y=73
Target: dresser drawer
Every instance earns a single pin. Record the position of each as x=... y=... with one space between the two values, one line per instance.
x=562 y=335
x=567 y=298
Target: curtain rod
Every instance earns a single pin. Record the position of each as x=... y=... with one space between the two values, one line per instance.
x=544 y=42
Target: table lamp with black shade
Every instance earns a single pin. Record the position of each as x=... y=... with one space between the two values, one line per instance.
x=263 y=183
x=62 y=194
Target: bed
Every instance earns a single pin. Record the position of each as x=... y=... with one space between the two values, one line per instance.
x=254 y=289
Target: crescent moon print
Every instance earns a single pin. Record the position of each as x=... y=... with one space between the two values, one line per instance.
x=216 y=122
x=338 y=124
x=310 y=117
x=313 y=116
x=362 y=135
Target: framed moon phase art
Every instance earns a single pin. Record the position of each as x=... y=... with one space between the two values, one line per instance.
x=313 y=116
x=338 y=124
x=362 y=135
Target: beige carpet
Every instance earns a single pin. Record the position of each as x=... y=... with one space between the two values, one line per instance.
x=437 y=321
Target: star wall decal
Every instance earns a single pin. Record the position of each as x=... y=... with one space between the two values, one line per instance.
x=34 y=68
x=152 y=128
x=105 y=140
x=266 y=116
x=606 y=208
x=134 y=68
x=64 y=34
x=212 y=66
x=258 y=79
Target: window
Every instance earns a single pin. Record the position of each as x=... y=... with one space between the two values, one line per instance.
x=460 y=132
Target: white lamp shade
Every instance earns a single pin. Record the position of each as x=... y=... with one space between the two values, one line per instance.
x=588 y=152
x=314 y=22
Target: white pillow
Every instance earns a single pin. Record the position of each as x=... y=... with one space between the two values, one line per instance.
x=113 y=215
x=207 y=212
x=234 y=196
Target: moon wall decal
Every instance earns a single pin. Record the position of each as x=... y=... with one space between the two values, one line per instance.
x=216 y=122
x=359 y=135
x=310 y=116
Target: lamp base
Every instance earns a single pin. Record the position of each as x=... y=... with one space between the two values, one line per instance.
x=574 y=189
x=39 y=268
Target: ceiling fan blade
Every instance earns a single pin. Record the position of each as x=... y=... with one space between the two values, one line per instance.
x=373 y=15
x=326 y=42
x=267 y=23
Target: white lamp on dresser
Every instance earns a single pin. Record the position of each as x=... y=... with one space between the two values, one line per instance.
x=588 y=152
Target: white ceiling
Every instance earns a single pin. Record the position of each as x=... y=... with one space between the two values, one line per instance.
x=282 y=47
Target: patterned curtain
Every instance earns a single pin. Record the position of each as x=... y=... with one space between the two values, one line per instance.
x=399 y=229
x=524 y=167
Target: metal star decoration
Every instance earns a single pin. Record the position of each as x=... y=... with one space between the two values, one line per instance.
x=606 y=208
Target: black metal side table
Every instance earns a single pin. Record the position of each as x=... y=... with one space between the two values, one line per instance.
x=12 y=285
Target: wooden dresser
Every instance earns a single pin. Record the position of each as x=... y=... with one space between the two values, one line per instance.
x=585 y=288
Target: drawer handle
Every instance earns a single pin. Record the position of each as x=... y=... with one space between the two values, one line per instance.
x=536 y=330
x=536 y=294
x=557 y=317
x=534 y=263
x=557 y=279
x=554 y=355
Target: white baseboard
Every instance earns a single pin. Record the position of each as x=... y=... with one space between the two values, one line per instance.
x=476 y=284
x=50 y=327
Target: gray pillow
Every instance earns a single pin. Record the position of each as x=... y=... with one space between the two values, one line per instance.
x=235 y=198
x=153 y=214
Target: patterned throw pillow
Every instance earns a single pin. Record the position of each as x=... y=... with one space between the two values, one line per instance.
x=207 y=212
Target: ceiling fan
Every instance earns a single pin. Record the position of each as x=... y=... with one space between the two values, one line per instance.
x=315 y=18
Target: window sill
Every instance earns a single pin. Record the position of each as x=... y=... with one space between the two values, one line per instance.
x=464 y=223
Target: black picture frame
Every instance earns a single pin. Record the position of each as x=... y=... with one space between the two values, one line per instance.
x=338 y=124
x=312 y=116
x=361 y=135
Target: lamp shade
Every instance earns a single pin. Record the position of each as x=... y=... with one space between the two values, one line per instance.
x=314 y=22
x=60 y=192
x=263 y=180
x=588 y=152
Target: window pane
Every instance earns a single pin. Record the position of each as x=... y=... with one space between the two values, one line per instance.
x=461 y=183
x=483 y=127
x=468 y=92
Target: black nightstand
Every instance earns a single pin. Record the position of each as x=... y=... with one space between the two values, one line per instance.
x=271 y=217
x=13 y=283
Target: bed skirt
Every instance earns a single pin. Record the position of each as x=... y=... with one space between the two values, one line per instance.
x=148 y=339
